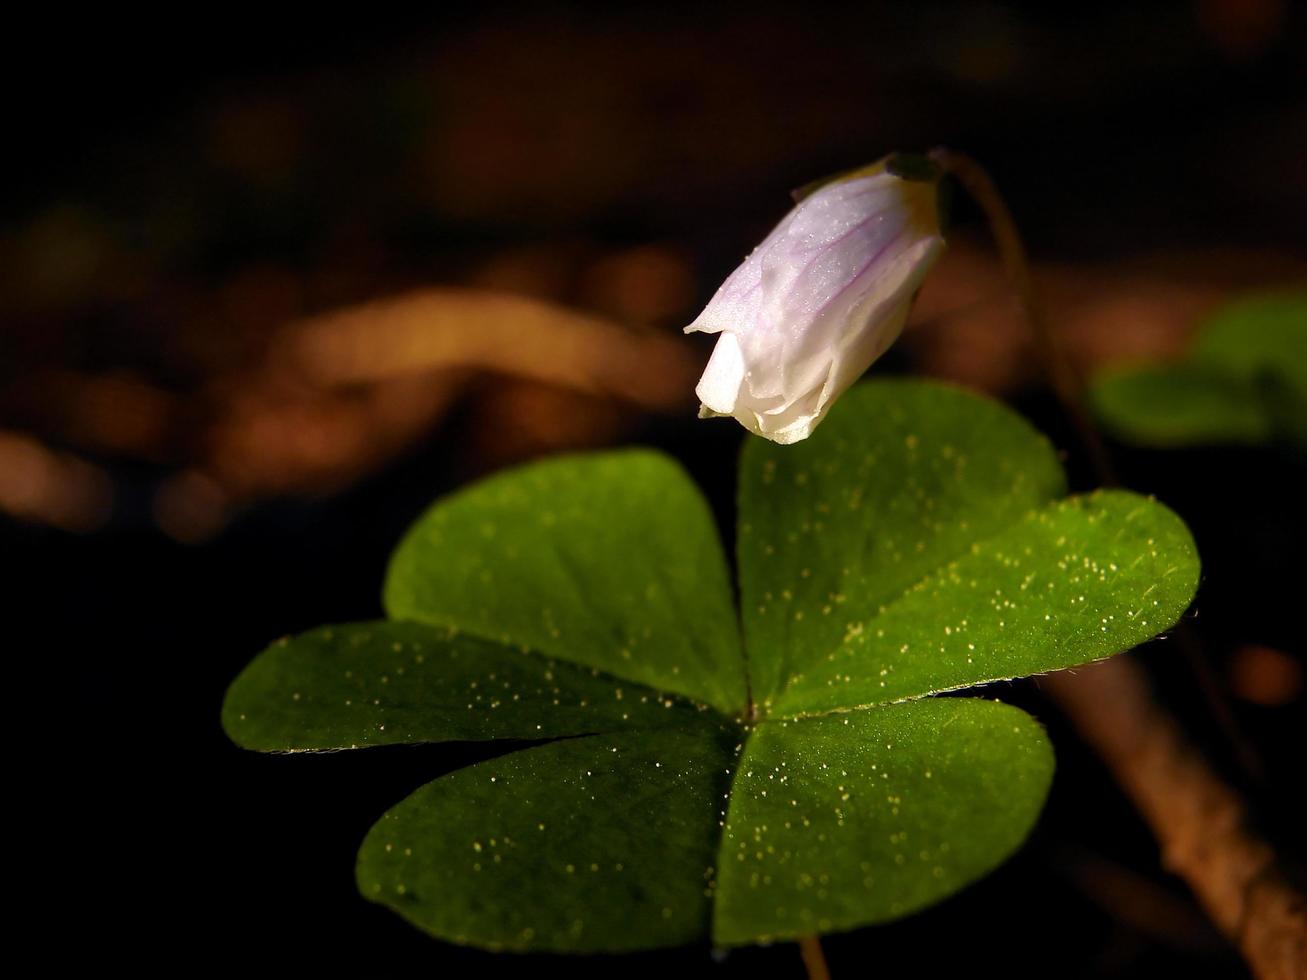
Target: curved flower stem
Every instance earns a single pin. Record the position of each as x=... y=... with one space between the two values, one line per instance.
x=1067 y=384
x=1200 y=822
x=1069 y=388
x=814 y=960
x=1062 y=374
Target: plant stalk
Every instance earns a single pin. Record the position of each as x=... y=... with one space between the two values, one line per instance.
x=814 y=959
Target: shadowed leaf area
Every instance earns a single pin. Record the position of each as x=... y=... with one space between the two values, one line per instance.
x=792 y=777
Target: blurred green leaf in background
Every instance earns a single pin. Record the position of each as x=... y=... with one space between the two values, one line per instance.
x=1244 y=382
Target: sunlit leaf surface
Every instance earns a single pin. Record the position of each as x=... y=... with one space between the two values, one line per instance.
x=863 y=816
x=388 y=683
x=918 y=543
x=600 y=843
x=608 y=560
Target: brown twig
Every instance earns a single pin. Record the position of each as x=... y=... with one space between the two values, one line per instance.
x=1199 y=821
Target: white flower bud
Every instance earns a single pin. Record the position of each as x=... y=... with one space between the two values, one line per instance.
x=818 y=301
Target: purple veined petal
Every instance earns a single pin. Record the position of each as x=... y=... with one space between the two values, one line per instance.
x=801 y=357
x=735 y=302
x=796 y=420
x=824 y=295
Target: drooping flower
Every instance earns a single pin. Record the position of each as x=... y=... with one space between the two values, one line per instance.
x=820 y=299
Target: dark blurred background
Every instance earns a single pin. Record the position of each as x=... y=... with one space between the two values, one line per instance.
x=272 y=280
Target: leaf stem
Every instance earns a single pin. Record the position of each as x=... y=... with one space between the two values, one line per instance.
x=814 y=960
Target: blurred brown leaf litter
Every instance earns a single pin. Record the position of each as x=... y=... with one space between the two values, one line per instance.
x=332 y=398
x=294 y=281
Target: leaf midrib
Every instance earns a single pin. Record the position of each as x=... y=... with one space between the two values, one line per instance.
x=885 y=607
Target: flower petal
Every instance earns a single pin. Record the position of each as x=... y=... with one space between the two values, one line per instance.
x=820 y=299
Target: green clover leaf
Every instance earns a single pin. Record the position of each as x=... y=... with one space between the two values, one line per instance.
x=798 y=779
x=1244 y=382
